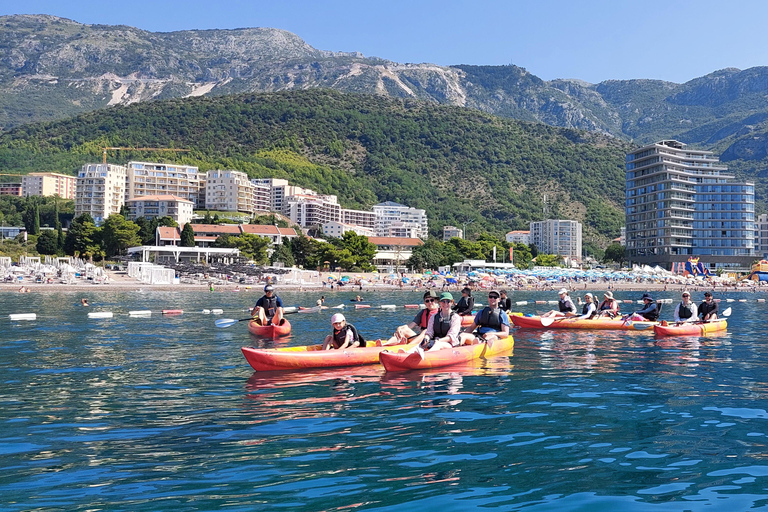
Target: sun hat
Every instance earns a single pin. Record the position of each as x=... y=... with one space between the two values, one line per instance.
x=430 y=293
x=338 y=317
x=685 y=292
x=608 y=295
x=589 y=295
x=466 y=290
x=562 y=291
x=269 y=288
x=446 y=296
x=647 y=296
x=707 y=294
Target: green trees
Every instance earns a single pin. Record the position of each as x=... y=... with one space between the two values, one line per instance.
x=187 y=236
x=48 y=242
x=251 y=246
x=81 y=239
x=549 y=260
x=615 y=252
x=283 y=254
x=117 y=234
x=304 y=252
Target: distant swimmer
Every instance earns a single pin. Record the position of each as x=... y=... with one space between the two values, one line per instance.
x=84 y=302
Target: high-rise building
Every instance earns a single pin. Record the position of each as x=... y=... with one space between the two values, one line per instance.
x=311 y=210
x=409 y=220
x=229 y=191
x=151 y=179
x=761 y=236
x=555 y=236
x=681 y=203
x=100 y=190
x=48 y=184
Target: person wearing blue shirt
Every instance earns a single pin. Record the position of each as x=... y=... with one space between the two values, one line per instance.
x=490 y=323
x=269 y=308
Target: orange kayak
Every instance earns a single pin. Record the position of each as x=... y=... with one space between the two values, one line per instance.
x=467 y=320
x=271 y=330
x=608 y=324
x=690 y=328
x=400 y=361
x=313 y=356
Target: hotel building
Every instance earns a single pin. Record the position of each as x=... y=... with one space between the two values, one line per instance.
x=407 y=221
x=682 y=203
x=48 y=184
x=150 y=207
x=100 y=190
x=555 y=236
x=152 y=179
x=452 y=232
x=229 y=191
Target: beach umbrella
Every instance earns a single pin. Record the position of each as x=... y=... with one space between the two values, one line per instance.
x=331 y=276
x=345 y=278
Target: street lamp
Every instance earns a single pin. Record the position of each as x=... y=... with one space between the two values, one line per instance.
x=464 y=227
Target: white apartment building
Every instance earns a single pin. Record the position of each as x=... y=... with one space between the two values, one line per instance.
x=279 y=189
x=262 y=200
x=150 y=207
x=152 y=178
x=311 y=210
x=452 y=232
x=100 y=190
x=337 y=229
x=519 y=237
x=359 y=218
x=561 y=237
x=389 y=212
x=761 y=236
x=48 y=184
x=229 y=191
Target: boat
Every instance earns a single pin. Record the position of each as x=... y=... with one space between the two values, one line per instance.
x=396 y=361
x=313 y=356
x=607 y=324
x=467 y=320
x=690 y=328
x=270 y=330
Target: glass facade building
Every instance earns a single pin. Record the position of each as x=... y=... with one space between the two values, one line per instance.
x=681 y=203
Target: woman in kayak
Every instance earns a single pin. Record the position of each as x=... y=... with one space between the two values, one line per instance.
x=609 y=307
x=444 y=326
x=565 y=306
x=589 y=310
x=344 y=335
x=686 y=311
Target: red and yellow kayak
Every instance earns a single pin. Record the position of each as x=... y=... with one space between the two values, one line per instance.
x=690 y=328
x=467 y=320
x=401 y=361
x=313 y=356
x=608 y=324
x=271 y=330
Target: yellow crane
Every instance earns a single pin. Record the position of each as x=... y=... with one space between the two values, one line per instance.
x=104 y=150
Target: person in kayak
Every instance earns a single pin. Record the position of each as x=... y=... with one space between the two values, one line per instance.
x=708 y=309
x=589 y=310
x=269 y=308
x=565 y=306
x=466 y=302
x=444 y=326
x=650 y=311
x=490 y=322
x=406 y=333
x=344 y=335
x=505 y=303
x=609 y=307
x=686 y=310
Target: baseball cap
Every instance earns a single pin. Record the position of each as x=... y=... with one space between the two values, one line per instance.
x=562 y=291
x=338 y=317
x=269 y=288
x=446 y=296
x=430 y=293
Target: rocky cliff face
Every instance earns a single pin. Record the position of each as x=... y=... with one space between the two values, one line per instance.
x=53 y=68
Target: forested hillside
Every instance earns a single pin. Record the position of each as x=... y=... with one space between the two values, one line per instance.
x=458 y=164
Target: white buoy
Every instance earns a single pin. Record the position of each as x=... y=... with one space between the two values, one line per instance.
x=552 y=302
x=521 y=302
x=742 y=300
x=206 y=311
x=760 y=300
x=289 y=309
x=100 y=314
x=140 y=312
x=23 y=316
x=729 y=300
x=217 y=311
x=387 y=306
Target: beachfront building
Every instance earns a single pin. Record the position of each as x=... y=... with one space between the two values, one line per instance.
x=311 y=210
x=100 y=190
x=451 y=232
x=761 y=236
x=229 y=191
x=519 y=237
x=151 y=207
x=682 y=203
x=10 y=189
x=277 y=235
x=393 y=252
x=361 y=218
x=153 y=179
x=557 y=236
x=337 y=229
x=411 y=221
x=206 y=234
x=48 y=184
x=278 y=189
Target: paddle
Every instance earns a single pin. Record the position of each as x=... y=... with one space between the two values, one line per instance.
x=229 y=322
x=547 y=321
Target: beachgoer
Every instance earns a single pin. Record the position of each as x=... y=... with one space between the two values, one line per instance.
x=84 y=302
x=589 y=310
x=269 y=308
x=609 y=307
x=565 y=306
x=650 y=311
x=321 y=300
x=505 y=303
x=358 y=299
x=708 y=309
x=406 y=333
x=444 y=326
x=686 y=310
x=344 y=335
x=490 y=322
x=466 y=302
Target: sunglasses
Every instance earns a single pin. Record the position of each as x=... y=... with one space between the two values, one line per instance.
x=493 y=297
x=427 y=301
x=445 y=300
x=686 y=295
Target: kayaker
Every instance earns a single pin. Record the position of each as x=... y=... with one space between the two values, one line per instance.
x=650 y=311
x=589 y=309
x=686 y=310
x=565 y=306
x=466 y=302
x=490 y=322
x=406 y=332
x=344 y=335
x=708 y=309
x=269 y=308
x=505 y=303
x=444 y=326
x=609 y=307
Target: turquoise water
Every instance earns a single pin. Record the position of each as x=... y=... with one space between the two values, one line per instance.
x=164 y=413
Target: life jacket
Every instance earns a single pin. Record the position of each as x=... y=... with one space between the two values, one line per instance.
x=566 y=305
x=490 y=319
x=684 y=311
x=652 y=315
x=339 y=337
x=424 y=319
x=441 y=325
x=585 y=309
x=464 y=306
x=270 y=305
x=605 y=305
x=707 y=307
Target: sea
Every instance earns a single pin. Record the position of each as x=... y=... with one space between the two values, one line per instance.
x=164 y=413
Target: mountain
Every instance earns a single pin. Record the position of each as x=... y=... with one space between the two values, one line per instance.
x=459 y=164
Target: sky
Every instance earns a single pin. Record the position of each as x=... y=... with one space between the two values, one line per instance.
x=590 y=40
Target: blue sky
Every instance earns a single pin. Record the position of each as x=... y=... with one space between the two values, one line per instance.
x=592 y=40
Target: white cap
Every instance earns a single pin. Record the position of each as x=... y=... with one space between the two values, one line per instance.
x=338 y=317
x=562 y=291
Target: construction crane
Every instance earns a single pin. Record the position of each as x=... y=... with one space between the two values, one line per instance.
x=104 y=150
